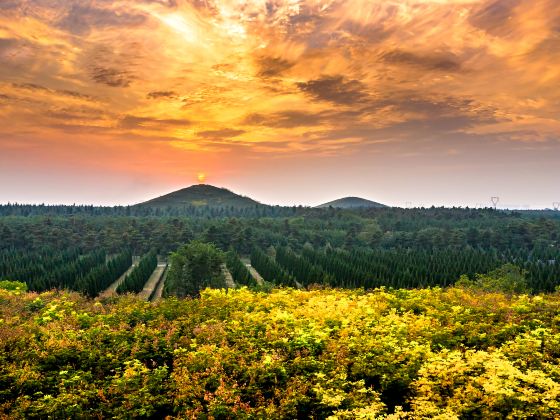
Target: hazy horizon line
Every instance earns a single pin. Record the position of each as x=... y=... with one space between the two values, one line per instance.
x=407 y=205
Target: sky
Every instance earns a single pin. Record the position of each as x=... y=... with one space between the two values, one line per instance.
x=405 y=102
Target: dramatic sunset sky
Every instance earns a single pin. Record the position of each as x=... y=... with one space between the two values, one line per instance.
x=288 y=101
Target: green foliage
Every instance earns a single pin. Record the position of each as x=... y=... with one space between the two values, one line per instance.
x=508 y=279
x=270 y=270
x=238 y=270
x=371 y=234
x=102 y=275
x=134 y=281
x=194 y=267
x=392 y=247
x=14 y=286
x=49 y=269
x=301 y=269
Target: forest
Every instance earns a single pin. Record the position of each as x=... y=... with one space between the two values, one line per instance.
x=400 y=248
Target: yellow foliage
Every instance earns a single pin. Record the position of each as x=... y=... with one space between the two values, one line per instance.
x=338 y=354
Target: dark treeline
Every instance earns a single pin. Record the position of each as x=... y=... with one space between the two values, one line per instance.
x=101 y=276
x=49 y=268
x=41 y=267
x=404 y=247
x=422 y=268
x=259 y=210
x=302 y=269
x=270 y=270
x=239 y=271
x=134 y=281
x=382 y=228
x=386 y=215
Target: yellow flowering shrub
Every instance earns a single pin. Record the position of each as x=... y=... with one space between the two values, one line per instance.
x=337 y=354
x=479 y=384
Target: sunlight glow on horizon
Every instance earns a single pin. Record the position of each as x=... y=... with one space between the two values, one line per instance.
x=370 y=96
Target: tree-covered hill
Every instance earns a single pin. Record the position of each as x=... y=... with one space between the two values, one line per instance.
x=201 y=195
x=352 y=203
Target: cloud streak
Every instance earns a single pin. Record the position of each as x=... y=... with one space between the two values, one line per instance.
x=283 y=76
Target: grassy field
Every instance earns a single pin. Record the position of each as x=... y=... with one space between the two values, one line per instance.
x=338 y=354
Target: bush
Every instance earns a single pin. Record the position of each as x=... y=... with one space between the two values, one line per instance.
x=508 y=279
x=14 y=286
x=339 y=354
x=194 y=267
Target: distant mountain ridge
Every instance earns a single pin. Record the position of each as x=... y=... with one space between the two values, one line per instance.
x=204 y=195
x=351 y=203
x=201 y=195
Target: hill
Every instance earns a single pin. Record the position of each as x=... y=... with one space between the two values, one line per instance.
x=201 y=195
x=352 y=203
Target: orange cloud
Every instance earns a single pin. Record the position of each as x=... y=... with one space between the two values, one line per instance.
x=280 y=77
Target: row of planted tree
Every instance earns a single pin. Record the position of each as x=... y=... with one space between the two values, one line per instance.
x=134 y=281
x=397 y=268
x=90 y=273
x=198 y=265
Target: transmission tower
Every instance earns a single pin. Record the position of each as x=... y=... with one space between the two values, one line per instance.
x=556 y=205
x=495 y=201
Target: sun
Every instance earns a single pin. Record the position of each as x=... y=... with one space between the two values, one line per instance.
x=201 y=177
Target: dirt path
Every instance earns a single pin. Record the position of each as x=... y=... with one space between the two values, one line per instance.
x=152 y=282
x=229 y=279
x=258 y=278
x=159 y=288
x=112 y=289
